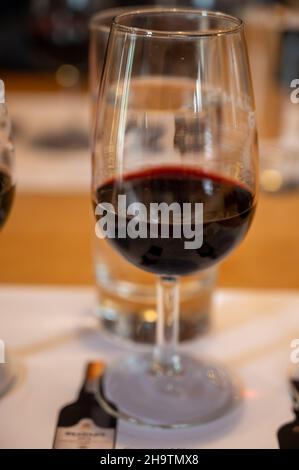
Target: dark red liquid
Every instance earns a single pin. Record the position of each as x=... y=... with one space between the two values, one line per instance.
x=227 y=212
x=6 y=196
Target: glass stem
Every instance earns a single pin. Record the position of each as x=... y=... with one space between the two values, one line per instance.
x=166 y=358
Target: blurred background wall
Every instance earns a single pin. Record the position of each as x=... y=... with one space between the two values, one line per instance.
x=41 y=35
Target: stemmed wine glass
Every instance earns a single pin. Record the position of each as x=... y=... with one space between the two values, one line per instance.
x=174 y=189
x=8 y=369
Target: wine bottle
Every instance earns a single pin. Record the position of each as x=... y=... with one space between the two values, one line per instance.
x=288 y=434
x=84 y=424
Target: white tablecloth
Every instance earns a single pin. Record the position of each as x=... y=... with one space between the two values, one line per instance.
x=54 y=333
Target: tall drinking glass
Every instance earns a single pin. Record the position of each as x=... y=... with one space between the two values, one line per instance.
x=178 y=207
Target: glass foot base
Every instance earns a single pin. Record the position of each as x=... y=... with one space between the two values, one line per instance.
x=8 y=375
x=200 y=393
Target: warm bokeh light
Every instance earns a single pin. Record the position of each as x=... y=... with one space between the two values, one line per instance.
x=67 y=76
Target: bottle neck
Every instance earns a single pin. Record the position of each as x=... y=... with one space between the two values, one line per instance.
x=92 y=376
x=88 y=388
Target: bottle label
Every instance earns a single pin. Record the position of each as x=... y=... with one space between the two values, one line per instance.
x=84 y=435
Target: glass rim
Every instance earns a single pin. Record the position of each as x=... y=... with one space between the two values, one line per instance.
x=95 y=24
x=102 y=15
x=236 y=23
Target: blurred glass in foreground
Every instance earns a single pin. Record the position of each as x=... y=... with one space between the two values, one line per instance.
x=8 y=368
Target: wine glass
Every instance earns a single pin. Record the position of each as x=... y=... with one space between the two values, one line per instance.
x=174 y=186
x=126 y=295
x=8 y=369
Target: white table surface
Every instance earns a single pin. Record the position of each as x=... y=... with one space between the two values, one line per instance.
x=54 y=333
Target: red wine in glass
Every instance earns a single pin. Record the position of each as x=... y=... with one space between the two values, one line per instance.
x=7 y=190
x=228 y=208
